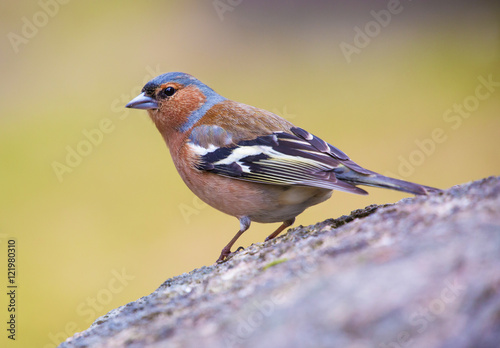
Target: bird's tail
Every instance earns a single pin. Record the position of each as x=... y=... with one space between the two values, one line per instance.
x=378 y=180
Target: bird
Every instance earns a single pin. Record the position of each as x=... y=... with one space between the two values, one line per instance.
x=248 y=162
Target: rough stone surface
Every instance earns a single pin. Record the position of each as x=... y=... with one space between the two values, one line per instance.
x=424 y=272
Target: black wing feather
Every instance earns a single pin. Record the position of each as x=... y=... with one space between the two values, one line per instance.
x=281 y=159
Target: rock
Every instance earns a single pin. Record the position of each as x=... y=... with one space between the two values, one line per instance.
x=424 y=272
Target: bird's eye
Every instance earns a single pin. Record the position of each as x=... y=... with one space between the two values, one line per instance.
x=168 y=92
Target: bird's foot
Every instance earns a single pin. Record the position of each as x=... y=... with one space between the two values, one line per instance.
x=226 y=254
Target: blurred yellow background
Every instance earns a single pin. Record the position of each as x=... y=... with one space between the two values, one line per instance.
x=88 y=189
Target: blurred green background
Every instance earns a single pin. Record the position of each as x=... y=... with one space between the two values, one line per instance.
x=105 y=227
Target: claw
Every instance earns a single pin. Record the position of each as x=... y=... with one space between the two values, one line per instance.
x=226 y=254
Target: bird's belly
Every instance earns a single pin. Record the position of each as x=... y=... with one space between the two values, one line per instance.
x=263 y=203
x=260 y=202
x=291 y=201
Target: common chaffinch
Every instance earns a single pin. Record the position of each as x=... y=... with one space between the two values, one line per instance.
x=248 y=162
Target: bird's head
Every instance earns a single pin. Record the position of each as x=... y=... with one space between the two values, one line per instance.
x=175 y=101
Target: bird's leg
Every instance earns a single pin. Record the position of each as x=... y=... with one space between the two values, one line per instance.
x=244 y=225
x=284 y=225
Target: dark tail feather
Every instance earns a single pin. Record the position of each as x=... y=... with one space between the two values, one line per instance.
x=377 y=180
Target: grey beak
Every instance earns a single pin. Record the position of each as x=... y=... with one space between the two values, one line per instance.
x=142 y=102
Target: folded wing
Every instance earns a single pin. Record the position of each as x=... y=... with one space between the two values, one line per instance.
x=279 y=158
